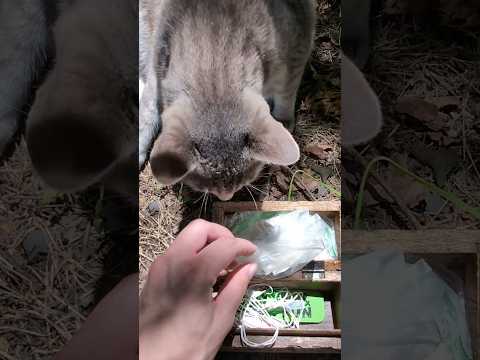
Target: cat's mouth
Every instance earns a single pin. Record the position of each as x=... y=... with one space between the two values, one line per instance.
x=223 y=195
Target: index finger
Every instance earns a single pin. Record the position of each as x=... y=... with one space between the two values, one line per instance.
x=197 y=234
x=221 y=253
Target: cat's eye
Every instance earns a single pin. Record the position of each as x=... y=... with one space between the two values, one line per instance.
x=246 y=139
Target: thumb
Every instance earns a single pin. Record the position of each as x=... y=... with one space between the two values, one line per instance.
x=230 y=296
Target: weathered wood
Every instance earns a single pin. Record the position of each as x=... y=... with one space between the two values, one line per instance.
x=423 y=241
x=294 y=332
x=229 y=207
x=333 y=265
x=317 y=345
x=296 y=281
x=256 y=355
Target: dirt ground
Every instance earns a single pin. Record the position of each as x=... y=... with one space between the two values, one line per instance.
x=165 y=210
x=426 y=72
x=51 y=259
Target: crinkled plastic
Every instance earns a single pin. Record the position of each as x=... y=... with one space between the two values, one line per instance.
x=286 y=241
x=396 y=310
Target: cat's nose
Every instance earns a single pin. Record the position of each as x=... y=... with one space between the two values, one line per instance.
x=224 y=195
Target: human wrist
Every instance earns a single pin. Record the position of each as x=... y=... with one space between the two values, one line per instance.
x=171 y=347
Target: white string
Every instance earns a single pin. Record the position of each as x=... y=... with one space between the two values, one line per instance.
x=253 y=312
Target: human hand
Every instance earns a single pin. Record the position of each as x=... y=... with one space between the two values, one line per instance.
x=179 y=317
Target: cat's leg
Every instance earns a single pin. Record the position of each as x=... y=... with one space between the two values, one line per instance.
x=285 y=84
x=23 y=35
x=356 y=30
x=149 y=120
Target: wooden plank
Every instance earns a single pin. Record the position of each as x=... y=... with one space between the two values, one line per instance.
x=289 y=344
x=294 y=332
x=226 y=207
x=296 y=281
x=426 y=241
x=256 y=355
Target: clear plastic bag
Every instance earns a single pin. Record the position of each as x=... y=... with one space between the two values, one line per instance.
x=397 y=310
x=286 y=241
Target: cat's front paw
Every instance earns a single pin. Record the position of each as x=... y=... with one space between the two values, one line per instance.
x=142 y=159
x=289 y=124
x=145 y=142
x=8 y=128
x=286 y=116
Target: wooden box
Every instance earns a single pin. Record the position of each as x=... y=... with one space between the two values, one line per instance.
x=456 y=251
x=315 y=338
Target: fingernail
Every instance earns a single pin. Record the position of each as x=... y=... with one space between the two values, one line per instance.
x=252 y=269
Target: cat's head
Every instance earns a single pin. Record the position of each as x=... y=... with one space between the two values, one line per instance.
x=221 y=147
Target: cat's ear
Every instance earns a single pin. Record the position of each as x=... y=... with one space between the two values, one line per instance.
x=361 y=112
x=72 y=146
x=273 y=143
x=171 y=156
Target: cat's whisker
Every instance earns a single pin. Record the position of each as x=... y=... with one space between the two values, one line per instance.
x=203 y=201
x=207 y=197
x=253 y=198
x=257 y=189
x=199 y=198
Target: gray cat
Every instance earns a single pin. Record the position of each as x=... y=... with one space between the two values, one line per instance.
x=208 y=70
x=82 y=126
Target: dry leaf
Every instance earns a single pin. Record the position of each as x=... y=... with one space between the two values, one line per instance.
x=417 y=108
x=444 y=101
x=411 y=191
x=308 y=183
x=442 y=161
x=282 y=181
x=319 y=151
x=421 y=110
x=275 y=193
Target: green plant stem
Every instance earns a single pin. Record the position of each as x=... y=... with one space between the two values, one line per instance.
x=445 y=194
x=328 y=187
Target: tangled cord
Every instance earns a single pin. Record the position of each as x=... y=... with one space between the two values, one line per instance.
x=253 y=312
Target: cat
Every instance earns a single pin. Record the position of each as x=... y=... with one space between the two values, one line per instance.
x=82 y=127
x=208 y=71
